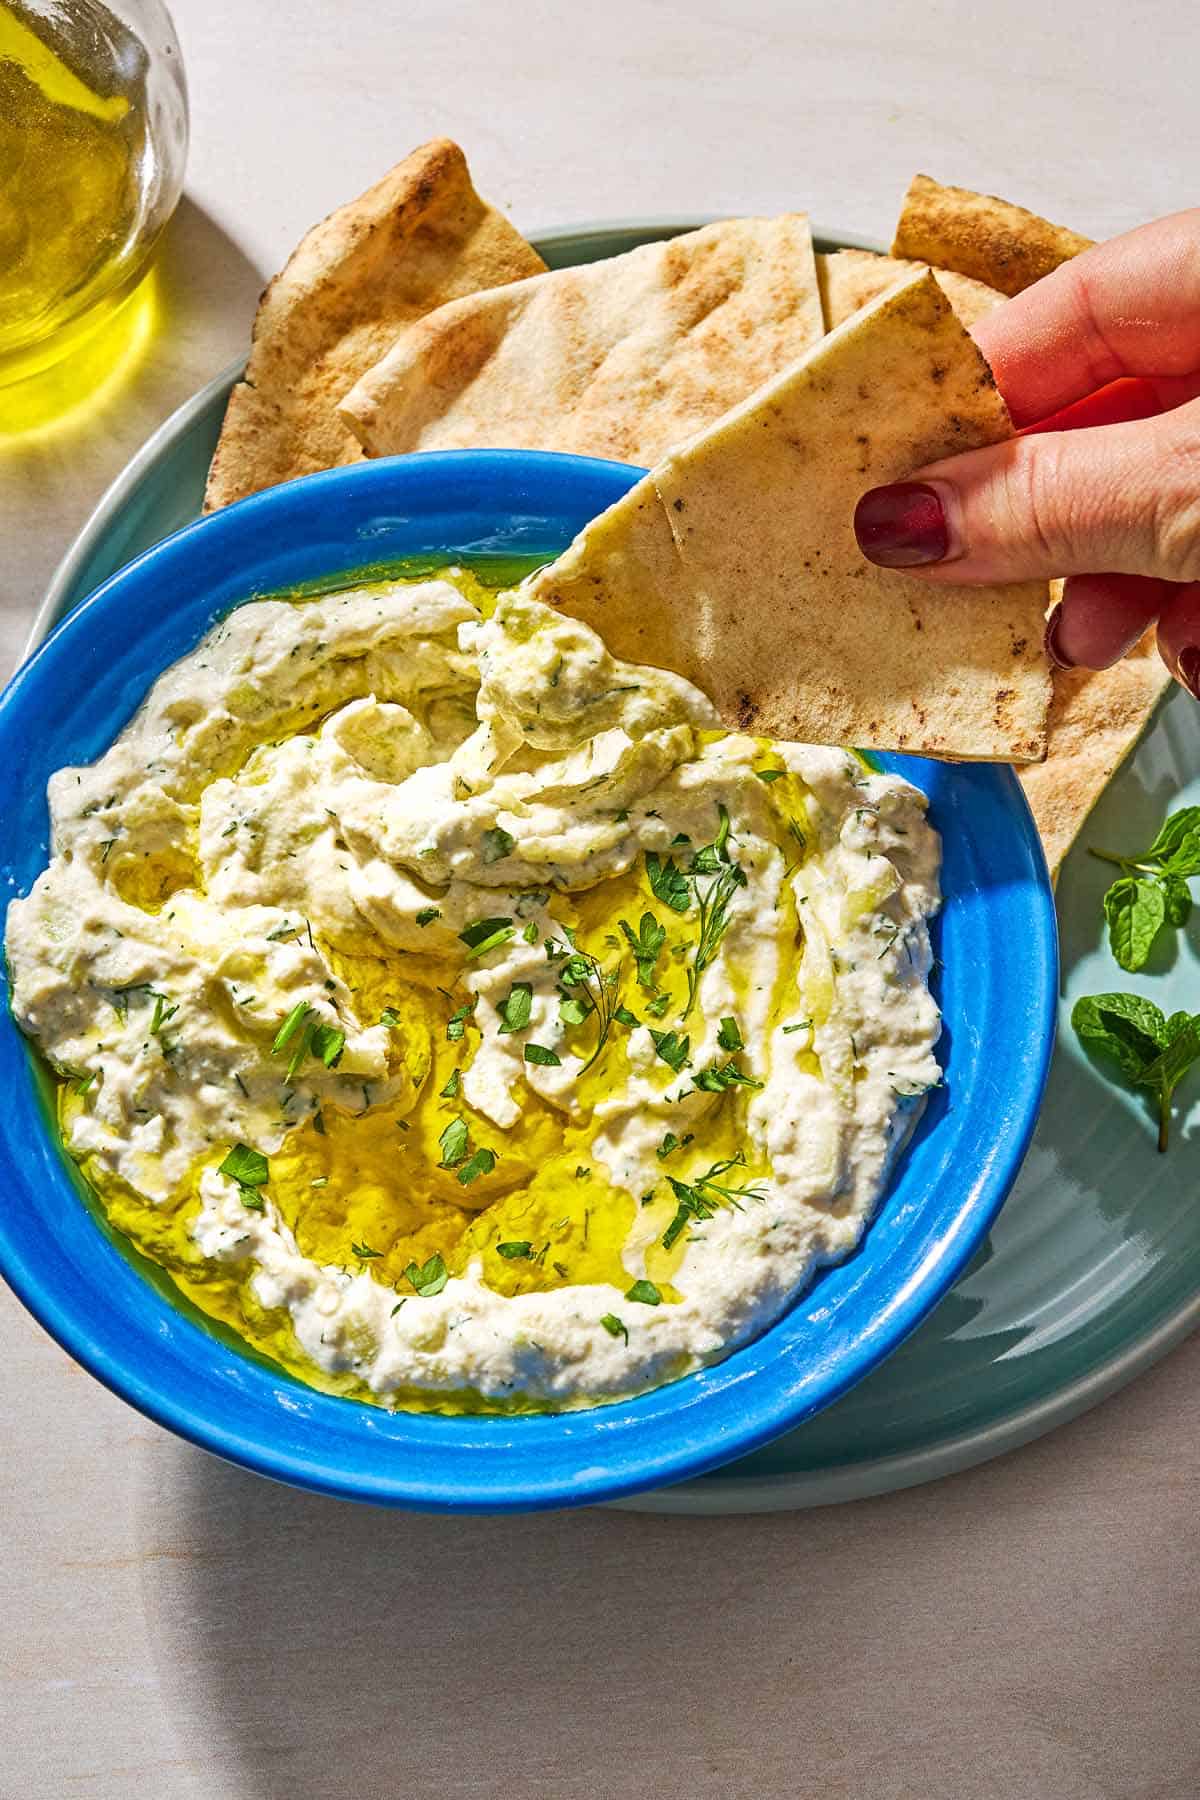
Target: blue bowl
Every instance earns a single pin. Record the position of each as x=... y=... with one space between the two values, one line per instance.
x=995 y=937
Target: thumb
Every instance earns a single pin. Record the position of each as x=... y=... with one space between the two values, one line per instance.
x=1124 y=498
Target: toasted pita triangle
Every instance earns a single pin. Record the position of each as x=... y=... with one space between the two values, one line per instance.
x=849 y=279
x=1096 y=718
x=734 y=562
x=622 y=358
x=991 y=240
x=418 y=238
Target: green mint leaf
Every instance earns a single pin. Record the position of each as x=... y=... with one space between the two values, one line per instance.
x=645 y=1292
x=1177 y=899
x=546 y=1059
x=453 y=1144
x=246 y=1166
x=1135 y=909
x=515 y=1251
x=496 y=844
x=672 y=1048
x=516 y=1008
x=729 y=1037
x=614 y=1327
x=428 y=1278
x=427 y=915
x=1179 y=838
x=482 y=1163
x=1167 y=1070
x=667 y=882
x=1127 y=1027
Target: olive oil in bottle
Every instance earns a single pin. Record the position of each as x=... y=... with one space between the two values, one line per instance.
x=93 y=134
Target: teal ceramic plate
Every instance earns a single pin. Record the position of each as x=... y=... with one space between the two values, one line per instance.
x=1093 y=1268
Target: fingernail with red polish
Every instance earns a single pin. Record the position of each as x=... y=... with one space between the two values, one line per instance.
x=902 y=526
x=1187 y=664
x=1051 y=644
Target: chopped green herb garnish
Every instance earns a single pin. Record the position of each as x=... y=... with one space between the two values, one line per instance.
x=496 y=844
x=452 y=1087
x=487 y=934
x=645 y=1292
x=327 y=1043
x=623 y=1016
x=482 y=1163
x=646 y=944
x=428 y=1278
x=249 y=1168
x=672 y=1048
x=390 y=1017
x=583 y=1173
x=668 y=883
x=714 y=923
x=516 y=1009
x=614 y=1326
x=729 y=1037
x=699 y=1199
x=769 y=775
x=282 y=931
x=530 y=933
x=538 y=1053
x=291 y=1026
x=453 y=1144
x=364 y=1252
x=427 y=915
x=456 y=1025
x=573 y=1011
x=670 y=1143
x=658 y=1006
x=515 y=1251
x=716 y=1081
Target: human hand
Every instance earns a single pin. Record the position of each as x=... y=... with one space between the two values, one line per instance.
x=1103 y=484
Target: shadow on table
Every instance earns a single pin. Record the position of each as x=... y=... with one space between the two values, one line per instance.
x=314 y=1650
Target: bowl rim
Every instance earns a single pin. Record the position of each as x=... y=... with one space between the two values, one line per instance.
x=971 y=1221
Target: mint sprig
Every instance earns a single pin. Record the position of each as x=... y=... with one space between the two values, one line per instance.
x=1152 y=889
x=1152 y=1051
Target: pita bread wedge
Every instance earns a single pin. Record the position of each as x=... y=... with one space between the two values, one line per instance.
x=734 y=561
x=849 y=279
x=418 y=238
x=1096 y=718
x=622 y=358
x=991 y=240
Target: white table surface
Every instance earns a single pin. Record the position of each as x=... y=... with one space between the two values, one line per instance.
x=174 y=1629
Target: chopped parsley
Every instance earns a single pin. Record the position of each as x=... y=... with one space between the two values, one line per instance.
x=645 y=1292
x=482 y=1163
x=364 y=1252
x=453 y=1086
x=428 y=1278
x=546 y=1059
x=487 y=934
x=769 y=775
x=614 y=1326
x=646 y=944
x=668 y=883
x=699 y=1199
x=427 y=915
x=729 y=1037
x=671 y=1048
x=516 y=1009
x=496 y=844
x=456 y=1025
x=453 y=1144
x=250 y=1169
x=515 y=1251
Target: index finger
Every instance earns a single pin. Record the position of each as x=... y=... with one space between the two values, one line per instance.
x=1127 y=307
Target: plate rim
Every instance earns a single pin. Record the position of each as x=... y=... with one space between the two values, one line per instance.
x=716 y=1493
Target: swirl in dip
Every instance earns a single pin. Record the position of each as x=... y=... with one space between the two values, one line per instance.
x=464 y=1016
